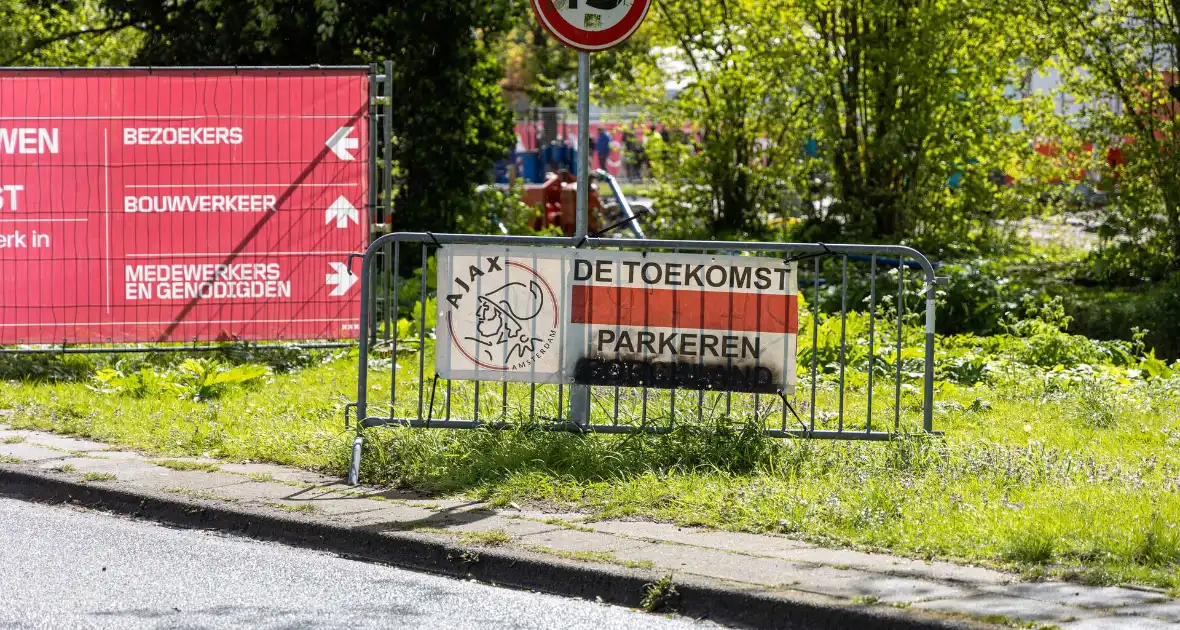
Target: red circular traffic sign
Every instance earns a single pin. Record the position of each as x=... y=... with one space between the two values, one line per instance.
x=591 y=25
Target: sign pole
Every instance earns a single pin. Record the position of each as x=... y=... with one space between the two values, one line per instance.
x=572 y=25
x=583 y=145
x=580 y=394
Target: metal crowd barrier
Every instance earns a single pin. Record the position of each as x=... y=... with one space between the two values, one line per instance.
x=832 y=401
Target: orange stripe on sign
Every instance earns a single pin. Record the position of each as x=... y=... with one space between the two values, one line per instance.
x=685 y=308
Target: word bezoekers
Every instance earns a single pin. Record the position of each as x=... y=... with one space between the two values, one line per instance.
x=181 y=136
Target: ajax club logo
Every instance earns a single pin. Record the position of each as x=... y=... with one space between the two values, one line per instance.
x=502 y=313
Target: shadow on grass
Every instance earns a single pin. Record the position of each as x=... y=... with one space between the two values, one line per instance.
x=449 y=461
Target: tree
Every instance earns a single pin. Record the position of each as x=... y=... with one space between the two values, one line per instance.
x=450 y=123
x=547 y=71
x=913 y=106
x=910 y=94
x=737 y=65
x=1120 y=59
x=78 y=33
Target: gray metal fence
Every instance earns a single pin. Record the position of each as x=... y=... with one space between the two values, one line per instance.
x=864 y=374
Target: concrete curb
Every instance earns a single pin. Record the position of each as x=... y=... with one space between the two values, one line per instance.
x=715 y=600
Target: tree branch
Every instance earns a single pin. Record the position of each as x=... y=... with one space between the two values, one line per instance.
x=49 y=41
x=686 y=45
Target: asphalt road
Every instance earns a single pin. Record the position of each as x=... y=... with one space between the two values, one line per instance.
x=66 y=568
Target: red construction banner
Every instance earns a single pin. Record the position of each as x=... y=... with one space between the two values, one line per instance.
x=150 y=206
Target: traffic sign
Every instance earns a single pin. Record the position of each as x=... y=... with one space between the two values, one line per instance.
x=591 y=25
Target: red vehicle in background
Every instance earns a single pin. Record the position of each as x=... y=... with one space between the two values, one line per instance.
x=556 y=198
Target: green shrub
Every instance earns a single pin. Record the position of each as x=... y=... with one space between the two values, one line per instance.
x=1030 y=547
x=1096 y=407
x=281 y=359
x=48 y=367
x=827 y=341
x=1128 y=262
x=974 y=300
x=195 y=379
x=138 y=384
x=1115 y=314
x=1157 y=544
x=964 y=370
x=205 y=380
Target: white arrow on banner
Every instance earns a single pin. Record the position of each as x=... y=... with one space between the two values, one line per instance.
x=341 y=211
x=341 y=279
x=340 y=143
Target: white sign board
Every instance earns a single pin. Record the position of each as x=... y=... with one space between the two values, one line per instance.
x=548 y=315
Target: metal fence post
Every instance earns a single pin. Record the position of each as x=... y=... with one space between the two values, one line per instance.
x=373 y=183
x=362 y=402
x=580 y=394
x=385 y=196
x=928 y=393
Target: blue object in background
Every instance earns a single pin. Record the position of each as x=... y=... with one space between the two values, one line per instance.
x=956 y=179
x=532 y=168
x=811 y=147
x=535 y=164
x=604 y=148
x=500 y=171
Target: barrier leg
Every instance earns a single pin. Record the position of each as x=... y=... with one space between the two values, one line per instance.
x=354 y=470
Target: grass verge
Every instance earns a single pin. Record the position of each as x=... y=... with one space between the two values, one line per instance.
x=1060 y=458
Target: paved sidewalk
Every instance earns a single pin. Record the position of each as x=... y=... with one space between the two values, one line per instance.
x=897 y=588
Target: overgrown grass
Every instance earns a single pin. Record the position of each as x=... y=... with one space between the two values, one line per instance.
x=1061 y=455
x=593 y=556
x=176 y=464
x=1031 y=547
x=297 y=420
x=492 y=538
x=201 y=494
x=661 y=596
x=567 y=525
